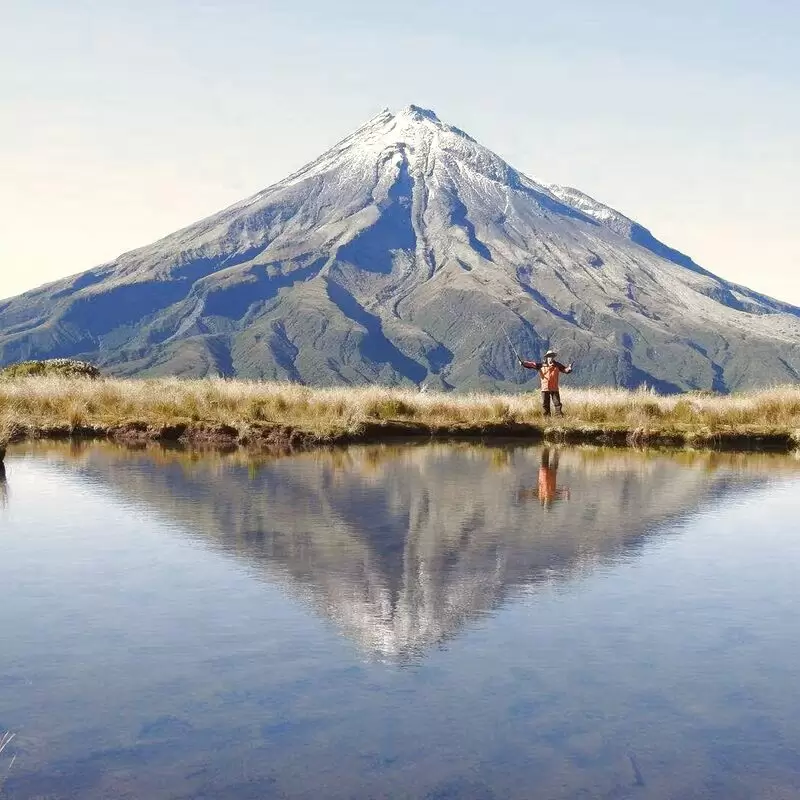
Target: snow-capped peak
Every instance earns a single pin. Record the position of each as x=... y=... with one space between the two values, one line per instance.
x=413 y=133
x=418 y=113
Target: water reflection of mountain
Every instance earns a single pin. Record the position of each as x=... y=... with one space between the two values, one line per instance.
x=403 y=545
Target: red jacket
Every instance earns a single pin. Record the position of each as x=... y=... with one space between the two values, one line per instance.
x=549 y=373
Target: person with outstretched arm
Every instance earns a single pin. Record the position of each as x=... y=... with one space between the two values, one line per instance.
x=549 y=371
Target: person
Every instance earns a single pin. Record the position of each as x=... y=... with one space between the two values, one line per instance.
x=549 y=371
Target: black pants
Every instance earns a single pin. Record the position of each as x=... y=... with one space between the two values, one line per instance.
x=556 y=403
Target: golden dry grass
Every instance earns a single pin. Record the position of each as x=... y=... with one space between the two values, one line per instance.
x=36 y=403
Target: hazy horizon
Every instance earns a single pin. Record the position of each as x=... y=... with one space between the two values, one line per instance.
x=132 y=123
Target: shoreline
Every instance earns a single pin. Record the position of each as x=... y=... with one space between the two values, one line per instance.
x=286 y=439
x=284 y=417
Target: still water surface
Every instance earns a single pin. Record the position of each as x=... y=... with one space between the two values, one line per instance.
x=412 y=622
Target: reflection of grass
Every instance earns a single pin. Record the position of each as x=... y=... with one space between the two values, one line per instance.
x=35 y=404
x=5 y=741
x=372 y=459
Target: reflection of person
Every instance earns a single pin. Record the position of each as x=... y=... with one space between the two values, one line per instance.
x=547 y=490
x=549 y=371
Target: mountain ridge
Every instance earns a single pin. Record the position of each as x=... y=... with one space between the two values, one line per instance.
x=369 y=263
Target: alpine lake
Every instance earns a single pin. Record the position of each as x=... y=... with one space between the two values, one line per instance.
x=412 y=621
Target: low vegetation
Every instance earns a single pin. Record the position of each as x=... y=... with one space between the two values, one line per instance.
x=63 y=367
x=247 y=411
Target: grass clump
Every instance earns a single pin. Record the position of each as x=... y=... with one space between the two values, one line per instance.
x=61 y=367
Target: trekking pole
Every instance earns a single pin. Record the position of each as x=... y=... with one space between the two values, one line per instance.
x=510 y=343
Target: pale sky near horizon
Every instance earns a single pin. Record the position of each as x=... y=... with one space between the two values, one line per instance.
x=123 y=121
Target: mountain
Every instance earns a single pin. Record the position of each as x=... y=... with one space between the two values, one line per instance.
x=407 y=254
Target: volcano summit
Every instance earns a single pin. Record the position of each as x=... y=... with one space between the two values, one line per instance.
x=398 y=257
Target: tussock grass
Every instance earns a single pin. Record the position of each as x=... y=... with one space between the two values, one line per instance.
x=40 y=403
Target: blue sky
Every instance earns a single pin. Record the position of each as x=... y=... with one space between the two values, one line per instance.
x=125 y=121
